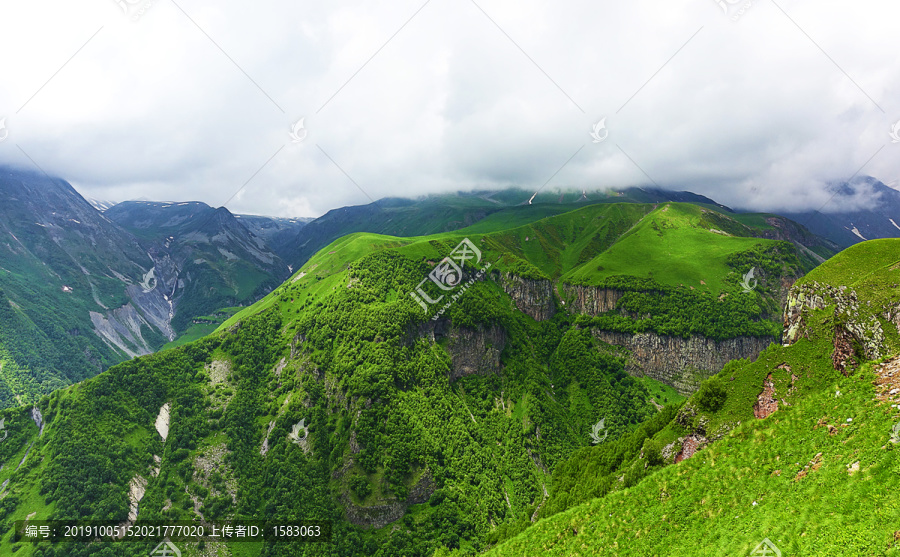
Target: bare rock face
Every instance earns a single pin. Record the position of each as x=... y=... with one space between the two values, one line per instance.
x=590 y=300
x=892 y=314
x=121 y=327
x=802 y=299
x=136 y=490
x=375 y=516
x=472 y=351
x=264 y=449
x=162 y=421
x=784 y=292
x=844 y=356
x=682 y=363
x=532 y=297
x=690 y=445
x=854 y=330
x=421 y=492
x=38 y=419
x=476 y=351
x=766 y=403
x=378 y=516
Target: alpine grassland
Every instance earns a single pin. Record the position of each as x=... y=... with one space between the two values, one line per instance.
x=813 y=473
x=339 y=398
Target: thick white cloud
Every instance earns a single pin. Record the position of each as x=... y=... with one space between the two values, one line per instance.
x=750 y=112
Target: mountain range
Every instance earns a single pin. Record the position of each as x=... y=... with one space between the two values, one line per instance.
x=480 y=372
x=129 y=277
x=87 y=289
x=859 y=210
x=421 y=393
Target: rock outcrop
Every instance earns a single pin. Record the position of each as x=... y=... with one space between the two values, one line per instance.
x=682 y=363
x=854 y=329
x=476 y=351
x=162 y=422
x=38 y=420
x=136 y=490
x=472 y=351
x=378 y=516
x=590 y=300
x=533 y=297
x=766 y=403
x=690 y=445
x=121 y=328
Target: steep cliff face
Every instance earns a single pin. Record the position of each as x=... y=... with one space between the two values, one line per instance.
x=788 y=230
x=680 y=362
x=891 y=313
x=203 y=259
x=590 y=300
x=676 y=361
x=385 y=512
x=853 y=329
x=532 y=297
x=472 y=351
x=784 y=292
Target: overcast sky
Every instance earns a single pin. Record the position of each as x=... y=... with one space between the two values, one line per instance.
x=757 y=105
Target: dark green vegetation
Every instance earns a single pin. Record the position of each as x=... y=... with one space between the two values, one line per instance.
x=201 y=326
x=816 y=475
x=36 y=356
x=418 y=434
x=54 y=270
x=91 y=289
x=218 y=261
x=79 y=293
x=595 y=471
x=472 y=438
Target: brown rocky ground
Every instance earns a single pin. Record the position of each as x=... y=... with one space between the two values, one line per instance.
x=766 y=403
x=887 y=383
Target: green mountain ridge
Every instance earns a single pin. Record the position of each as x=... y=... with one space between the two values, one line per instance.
x=417 y=433
x=804 y=449
x=80 y=291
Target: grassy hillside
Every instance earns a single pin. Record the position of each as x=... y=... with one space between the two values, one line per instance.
x=786 y=478
x=815 y=477
x=417 y=434
x=201 y=326
x=674 y=245
x=489 y=211
x=870 y=268
x=346 y=365
x=695 y=265
x=46 y=332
